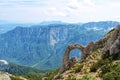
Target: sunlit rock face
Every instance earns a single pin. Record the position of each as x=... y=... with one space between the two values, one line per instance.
x=57 y=35
x=4 y=76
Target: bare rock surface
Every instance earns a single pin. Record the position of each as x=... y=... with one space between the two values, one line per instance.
x=112 y=47
x=4 y=76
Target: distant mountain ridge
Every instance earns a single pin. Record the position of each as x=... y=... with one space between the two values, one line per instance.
x=42 y=46
x=6 y=26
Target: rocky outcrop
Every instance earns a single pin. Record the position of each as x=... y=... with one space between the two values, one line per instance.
x=67 y=63
x=7 y=76
x=115 y=49
x=112 y=47
x=44 y=78
x=4 y=76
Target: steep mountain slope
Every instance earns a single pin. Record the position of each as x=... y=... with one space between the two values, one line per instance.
x=43 y=46
x=101 y=63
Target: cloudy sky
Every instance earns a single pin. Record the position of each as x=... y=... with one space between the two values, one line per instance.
x=59 y=10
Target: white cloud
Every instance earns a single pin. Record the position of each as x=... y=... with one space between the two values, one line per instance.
x=52 y=11
x=89 y=2
x=64 y=10
x=80 y=6
x=115 y=4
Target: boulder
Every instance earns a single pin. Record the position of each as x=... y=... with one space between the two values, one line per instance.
x=44 y=78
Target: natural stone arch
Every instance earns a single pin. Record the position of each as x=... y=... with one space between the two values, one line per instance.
x=66 y=61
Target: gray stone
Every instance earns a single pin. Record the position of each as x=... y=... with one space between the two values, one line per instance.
x=44 y=78
x=112 y=47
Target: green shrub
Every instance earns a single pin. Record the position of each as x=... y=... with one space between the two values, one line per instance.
x=78 y=68
x=100 y=63
x=111 y=76
x=51 y=75
x=15 y=78
x=71 y=79
x=86 y=77
x=33 y=76
x=111 y=71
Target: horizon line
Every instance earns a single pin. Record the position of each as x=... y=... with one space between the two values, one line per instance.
x=53 y=21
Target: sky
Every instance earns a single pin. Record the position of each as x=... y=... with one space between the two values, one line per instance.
x=59 y=10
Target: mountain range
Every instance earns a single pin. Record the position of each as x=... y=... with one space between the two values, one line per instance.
x=42 y=46
x=6 y=26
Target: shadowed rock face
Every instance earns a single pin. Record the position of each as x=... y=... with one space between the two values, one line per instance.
x=115 y=48
x=112 y=47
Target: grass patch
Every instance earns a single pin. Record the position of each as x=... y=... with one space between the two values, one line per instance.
x=100 y=63
x=15 y=78
x=51 y=75
x=77 y=68
x=87 y=77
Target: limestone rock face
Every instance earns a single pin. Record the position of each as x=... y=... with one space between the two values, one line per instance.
x=4 y=76
x=7 y=76
x=115 y=49
x=112 y=47
x=87 y=50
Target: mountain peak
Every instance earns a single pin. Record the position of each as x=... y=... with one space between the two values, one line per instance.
x=51 y=22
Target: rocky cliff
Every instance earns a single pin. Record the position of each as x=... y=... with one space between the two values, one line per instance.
x=100 y=60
